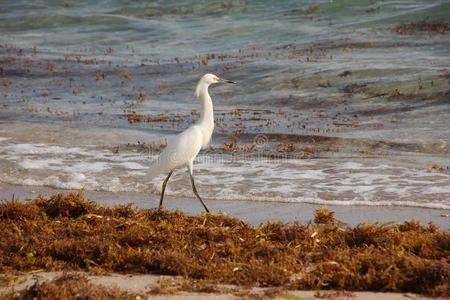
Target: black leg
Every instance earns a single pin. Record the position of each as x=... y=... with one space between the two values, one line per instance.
x=196 y=193
x=164 y=188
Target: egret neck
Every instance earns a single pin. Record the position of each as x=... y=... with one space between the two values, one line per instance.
x=206 y=122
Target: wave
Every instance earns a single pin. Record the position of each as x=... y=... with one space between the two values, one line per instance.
x=386 y=181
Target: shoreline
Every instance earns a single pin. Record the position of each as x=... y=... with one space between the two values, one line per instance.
x=155 y=287
x=252 y=212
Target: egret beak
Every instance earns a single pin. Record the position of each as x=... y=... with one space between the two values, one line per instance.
x=226 y=81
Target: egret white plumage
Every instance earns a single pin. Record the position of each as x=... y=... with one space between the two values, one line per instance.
x=183 y=148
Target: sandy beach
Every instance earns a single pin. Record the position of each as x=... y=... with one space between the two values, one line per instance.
x=252 y=212
x=144 y=284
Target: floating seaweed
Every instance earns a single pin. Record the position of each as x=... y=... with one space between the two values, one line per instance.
x=431 y=27
x=134 y=117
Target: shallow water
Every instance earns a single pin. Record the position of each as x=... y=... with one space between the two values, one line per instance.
x=366 y=108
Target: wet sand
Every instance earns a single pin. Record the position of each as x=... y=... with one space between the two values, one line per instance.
x=144 y=283
x=252 y=212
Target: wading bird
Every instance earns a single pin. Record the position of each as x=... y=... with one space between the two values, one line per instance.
x=183 y=148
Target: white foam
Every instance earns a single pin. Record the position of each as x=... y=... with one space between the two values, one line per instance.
x=437 y=190
x=39 y=163
x=332 y=181
x=351 y=165
x=74 y=182
x=43 y=149
x=135 y=173
x=133 y=166
x=316 y=200
x=88 y=167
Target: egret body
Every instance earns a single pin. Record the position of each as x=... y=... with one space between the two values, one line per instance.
x=183 y=148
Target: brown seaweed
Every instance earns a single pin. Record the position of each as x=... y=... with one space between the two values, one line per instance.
x=430 y=27
x=70 y=286
x=68 y=232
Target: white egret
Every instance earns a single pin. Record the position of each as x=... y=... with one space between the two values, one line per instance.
x=183 y=148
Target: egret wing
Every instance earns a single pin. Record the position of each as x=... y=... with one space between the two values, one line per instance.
x=179 y=151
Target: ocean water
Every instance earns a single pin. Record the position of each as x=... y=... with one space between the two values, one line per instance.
x=333 y=105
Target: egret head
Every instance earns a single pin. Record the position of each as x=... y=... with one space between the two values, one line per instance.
x=209 y=79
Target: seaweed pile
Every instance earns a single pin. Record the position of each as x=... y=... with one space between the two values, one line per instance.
x=68 y=232
x=70 y=286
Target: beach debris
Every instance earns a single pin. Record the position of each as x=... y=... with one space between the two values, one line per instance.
x=70 y=286
x=355 y=88
x=324 y=216
x=345 y=74
x=373 y=9
x=69 y=5
x=312 y=9
x=134 y=117
x=166 y=286
x=334 y=294
x=424 y=26
x=437 y=168
x=67 y=231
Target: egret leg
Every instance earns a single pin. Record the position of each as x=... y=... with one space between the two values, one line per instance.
x=196 y=193
x=164 y=188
